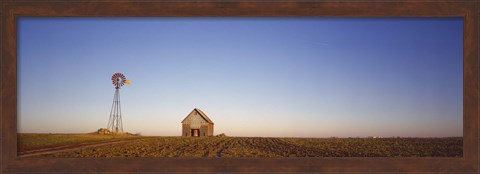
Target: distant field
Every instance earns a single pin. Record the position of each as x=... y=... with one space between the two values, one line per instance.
x=28 y=142
x=273 y=147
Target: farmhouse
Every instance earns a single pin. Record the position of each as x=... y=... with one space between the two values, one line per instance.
x=197 y=124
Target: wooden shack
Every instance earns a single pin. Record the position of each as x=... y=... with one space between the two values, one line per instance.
x=197 y=124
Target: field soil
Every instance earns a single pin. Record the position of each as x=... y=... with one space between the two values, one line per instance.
x=28 y=142
x=271 y=147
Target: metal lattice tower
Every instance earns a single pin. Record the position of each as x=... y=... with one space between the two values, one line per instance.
x=115 y=123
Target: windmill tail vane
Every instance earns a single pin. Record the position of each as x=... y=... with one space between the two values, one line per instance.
x=115 y=123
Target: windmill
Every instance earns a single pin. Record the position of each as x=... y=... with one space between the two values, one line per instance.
x=115 y=121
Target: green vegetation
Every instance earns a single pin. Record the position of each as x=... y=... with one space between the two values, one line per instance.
x=27 y=142
x=274 y=147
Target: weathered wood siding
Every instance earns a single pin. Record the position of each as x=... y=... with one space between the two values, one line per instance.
x=210 y=129
x=195 y=120
x=186 y=130
x=204 y=130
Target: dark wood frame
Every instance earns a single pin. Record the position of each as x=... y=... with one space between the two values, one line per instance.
x=11 y=10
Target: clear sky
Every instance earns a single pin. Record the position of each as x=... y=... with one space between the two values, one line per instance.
x=276 y=77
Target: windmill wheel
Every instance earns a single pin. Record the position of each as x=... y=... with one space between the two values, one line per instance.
x=118 y=80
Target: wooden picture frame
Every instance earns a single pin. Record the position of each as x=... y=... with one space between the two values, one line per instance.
x=11 y=10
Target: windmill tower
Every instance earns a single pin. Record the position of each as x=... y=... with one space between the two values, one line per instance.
x=115 y=121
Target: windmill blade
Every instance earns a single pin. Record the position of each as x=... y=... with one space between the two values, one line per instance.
x=119 y=79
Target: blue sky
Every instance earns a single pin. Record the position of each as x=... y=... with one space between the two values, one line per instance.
x=279 y=77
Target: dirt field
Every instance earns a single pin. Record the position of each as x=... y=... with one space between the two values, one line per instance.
x=38 y=142
x=272 y=147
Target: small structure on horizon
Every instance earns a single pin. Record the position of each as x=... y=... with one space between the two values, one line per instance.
x=197 y=124
x=103 y=131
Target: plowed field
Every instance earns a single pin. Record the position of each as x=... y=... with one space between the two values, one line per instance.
x=274 y=147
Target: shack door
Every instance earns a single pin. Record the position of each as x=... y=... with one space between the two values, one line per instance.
x=195 y=132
